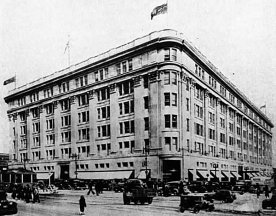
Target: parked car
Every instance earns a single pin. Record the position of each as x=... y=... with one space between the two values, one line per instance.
x=195 y=202
x=77 y=184
x=223 y=195
x=211 y=186
x=62 y=184
x=225 y=185
x=118 y=187
x=135 y=191
x=6 y=206
x=270 y=203
x=197 y=186
x=242 y=186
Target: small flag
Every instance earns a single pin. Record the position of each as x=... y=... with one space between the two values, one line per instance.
x=67 y=46
x=159 y=10
x=264 y=106
x=8 y=81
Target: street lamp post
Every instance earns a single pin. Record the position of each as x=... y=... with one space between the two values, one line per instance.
x=215 y=167
x=75 y=157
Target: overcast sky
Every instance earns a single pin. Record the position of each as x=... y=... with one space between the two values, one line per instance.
x=237 y=36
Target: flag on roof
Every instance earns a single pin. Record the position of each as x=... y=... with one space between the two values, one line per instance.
x=264 y=106
x=161 y=9
x=8 y=81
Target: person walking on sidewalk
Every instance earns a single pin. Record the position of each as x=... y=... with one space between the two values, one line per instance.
x=266 y=190
x=82 y=204
x=90 y=187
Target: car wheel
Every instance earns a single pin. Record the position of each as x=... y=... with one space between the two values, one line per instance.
x=196 y=209
x=149 y=200
x=181 y=209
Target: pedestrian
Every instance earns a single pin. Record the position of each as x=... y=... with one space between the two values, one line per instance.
x=180 y=188
x=36 y=195
x=258 y=191
x=266 y=192
x=82 y=204
x=90 y=187
x=97 y=188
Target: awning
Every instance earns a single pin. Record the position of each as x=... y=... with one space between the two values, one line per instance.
x=42 y=176
x=143 y=174
x=105 y=175
x=217 y=174
x=257 y=174
x=236 y=175
x=193 y=172
x=203 y=173
x=250 y=175
x=227 y=174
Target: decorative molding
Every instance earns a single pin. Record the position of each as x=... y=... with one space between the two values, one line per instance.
x=27 y=112
x=55 y=104
x=112 y=88
x=137 y=81
x=72 y=99
x=41 y=108
x=153 y=76
x=91 y=94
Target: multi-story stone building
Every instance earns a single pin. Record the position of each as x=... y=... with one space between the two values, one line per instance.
x=156 y=96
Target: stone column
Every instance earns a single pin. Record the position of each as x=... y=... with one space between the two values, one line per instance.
x=29 y=134
x=57 y=117
x=114 y=113
x=154 y=111
x=138 y=113
x=227 y=131
x=235 y=135
x=205 y=104
x=192 y=113
x=43 y=129
x=74 y=122
x=92 y=121
x=217 y=126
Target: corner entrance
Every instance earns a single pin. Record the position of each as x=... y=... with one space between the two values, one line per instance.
x=171 y=170
x=64 y=171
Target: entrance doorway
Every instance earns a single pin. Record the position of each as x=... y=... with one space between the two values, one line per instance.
x=171 y=170
x=64 y=171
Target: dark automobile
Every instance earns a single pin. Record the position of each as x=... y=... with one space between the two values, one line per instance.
x=270 y=203
x=6 y=206
x=135 y=191
x=242 y=186
x=223 y=195
x=197 y=186
x=195 y=202
x=118 y=187
x=225 y=185
x=77 y=184
x=211 y=186
x=63 y=184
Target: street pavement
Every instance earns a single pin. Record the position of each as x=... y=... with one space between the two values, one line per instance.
x=111 y=203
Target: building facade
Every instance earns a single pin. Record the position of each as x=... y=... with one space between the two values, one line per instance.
x=155 y=105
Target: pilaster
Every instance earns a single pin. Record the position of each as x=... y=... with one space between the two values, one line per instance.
x=57 y=117
x=42 y=114
x=114 y=123
x=74 y=122
x=92 y=121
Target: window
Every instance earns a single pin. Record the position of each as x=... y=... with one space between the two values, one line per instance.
x=199 y=92
x=146 y=122
x=36 y=127
x=212 y=101
x=22 y=116
x=222 y=138
x=84 y=134
x=187 y=104
x=167 y=121
x=64 y=87
x=66 y=120
x=49 y=108
x=23 y=129
x=167 y=99
x=65 y=105
x=22 y=101
x=212 y=134
x=81 y=81
x=127 y=127
x=146 y=102
x=222 y=91
x=174 y=78
x=124 y=66
x=166 y=78
x=66 y=136
x=168 y=142
x=83 y=117
x=125 y=87
x=118 y=68
x=174 y=121
x=130 y=65
x=166 y=54
x=35 y=112
x=146 y=81
x=170 y=54
x=174 y=54
x=211 y=117
x=198 y=111
x=174 y=99
x=50 y=139
x=198 y=129
x=50 y=124
x=188 y=124
x=83 y=99
x=36 y=141
x=48 y=92
x=222 y=123
x=223 y=108
x=34 y=97
x=103 y=94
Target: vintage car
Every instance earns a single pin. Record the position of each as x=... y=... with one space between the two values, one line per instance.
x=195 y=202
x=197 y=186
x=118 y=187
x=226 y=196
x=7 y=207
x=270 y=203
x=136 y=191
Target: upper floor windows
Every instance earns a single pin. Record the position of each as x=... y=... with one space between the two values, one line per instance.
x=199 y=129
x=124 y=66
x=198 y=111
x=83 y=117
x=83 y=99
x=170 y=121
x=170 y=99
x=170 y=54
x=22 y=116
x=49 y=108
x=103 y=94
x=103 y=112
x=64 y=87
x=65 y=104
x=66 y=136
x=36 y=127
x=48 y=92
x=81 y=81
x=22 y=101
x=50 y=124
x=170 y=77
x=101 y=74
x=34 y=97
x=126 y=107
x=199 y=71
x=212 y=82
x=223 y=108
x=35 y=112
x=212 y=101
x=222 y=91
x=232 y=98
x=127 y=127
x=199 y=92
x=125 y=87
x=66 y=120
